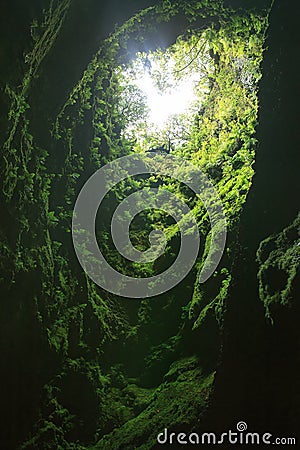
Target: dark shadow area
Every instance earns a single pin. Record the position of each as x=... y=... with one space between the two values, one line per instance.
x=258 y=378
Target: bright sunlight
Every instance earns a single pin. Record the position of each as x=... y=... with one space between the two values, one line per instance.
x=175 y=99
x=161 y=93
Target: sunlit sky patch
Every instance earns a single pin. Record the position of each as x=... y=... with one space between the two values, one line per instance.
x=161 y=97
x=174 y=100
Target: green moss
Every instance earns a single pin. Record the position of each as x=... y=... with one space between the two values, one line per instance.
x=216 y=305
x=180 y=401
x=279 y=261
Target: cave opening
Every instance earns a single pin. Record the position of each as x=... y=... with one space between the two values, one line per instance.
x=177 y=78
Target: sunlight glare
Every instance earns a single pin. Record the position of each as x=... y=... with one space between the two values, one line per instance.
x=175 y=100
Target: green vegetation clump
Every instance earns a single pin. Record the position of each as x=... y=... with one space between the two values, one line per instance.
x=279 y=261
x=178 y=403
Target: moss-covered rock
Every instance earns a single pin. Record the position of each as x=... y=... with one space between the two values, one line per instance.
x=179 y=403
x=279 y=262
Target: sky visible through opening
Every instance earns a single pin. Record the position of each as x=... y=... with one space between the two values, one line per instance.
x=176 y=99
x=165 y=90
